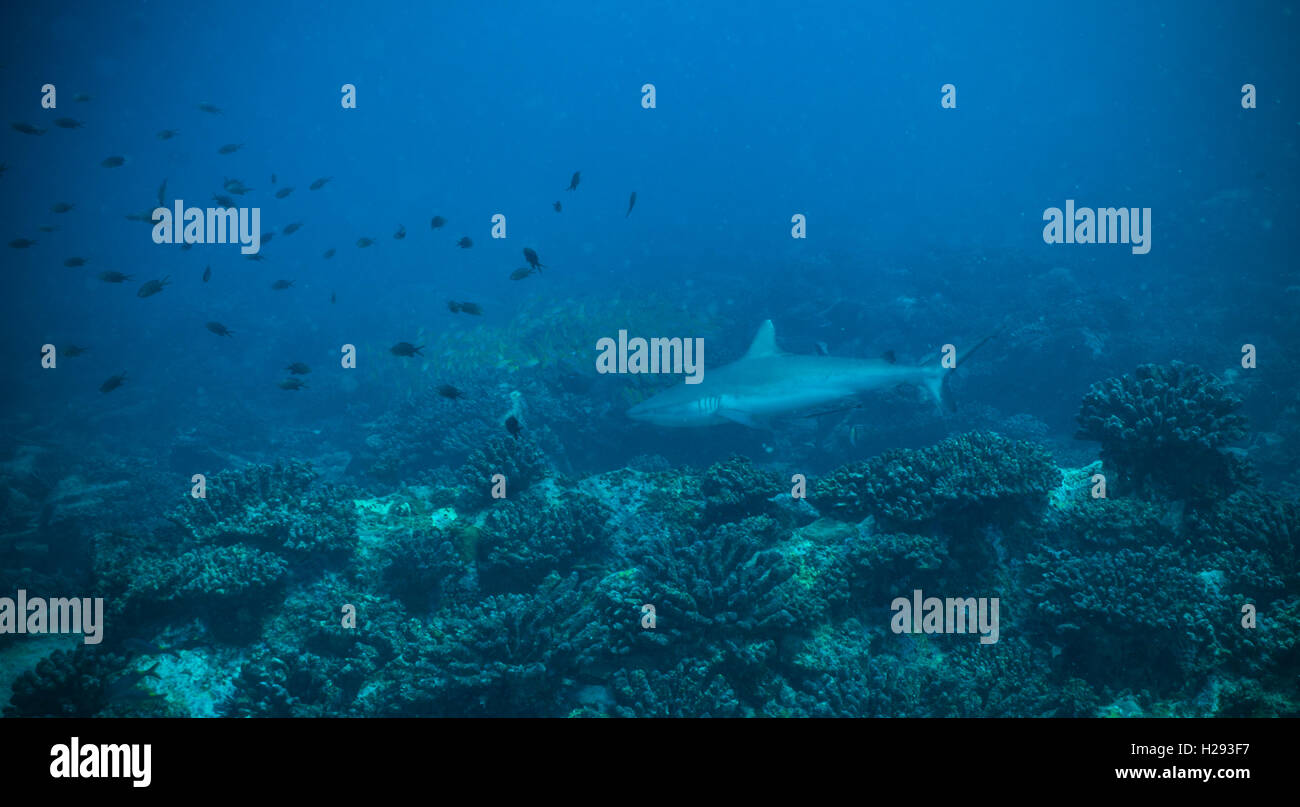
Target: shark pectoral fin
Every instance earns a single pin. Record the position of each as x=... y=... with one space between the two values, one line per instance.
x=743 y=418
x=845 y=408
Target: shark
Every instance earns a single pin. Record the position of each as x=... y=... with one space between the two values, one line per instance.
x=767 y=383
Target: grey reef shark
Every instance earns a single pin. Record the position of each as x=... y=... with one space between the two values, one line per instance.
x=767 y=383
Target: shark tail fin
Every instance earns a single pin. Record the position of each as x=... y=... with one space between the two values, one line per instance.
x=941 y=390
x=981 y=343
x=939 y=386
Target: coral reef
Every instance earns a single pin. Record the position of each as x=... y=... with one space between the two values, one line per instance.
x=277 y=507
x=527 y=537
x=520 y=461
x=674 y=592
x=978 y=477
x=1165 y=428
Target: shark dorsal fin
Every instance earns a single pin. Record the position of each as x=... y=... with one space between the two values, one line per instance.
x=764 y=343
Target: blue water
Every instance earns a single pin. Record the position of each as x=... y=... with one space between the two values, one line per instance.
x=924 y=228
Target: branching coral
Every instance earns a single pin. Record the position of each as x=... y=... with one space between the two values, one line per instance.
x=528 y=537
x=979 y=477
x=520 y=461
x=728 y=582
x=735 y=489
x=70 y=684
x=1164 y=428
x=277 y=507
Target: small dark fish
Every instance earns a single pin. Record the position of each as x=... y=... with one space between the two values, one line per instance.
x=22 y=243
x=152 y=287
x=558 y=207
x=631 y=203
x=471 y=308
x=573 y=183
x=401 y=232
x=329 y=253
x=48 y=228
x=530 y=255
x=522 y=272
x=207 y=273
x=113 y=162
x=236 y=187
x=219 y=329
x=513 y=426
x=224 y=201
x=266 y=237
x=141 y=647
x=81 y=97
x=167 y=134
x=73 y=263
x=230 y=148
x=320 y=183
x=143 y=215
x=453 y=306
x=162 y=191
x=186 y=247
x=114 y=277
x=292 y=383
x=124 y=688
x=292 y=227
x=448 y=391
x=406 y=349
x=437 y=221
x=281 y=285
x=259 y=257
x=333 y=298
x=365 y=242
x=68 y=123
x=27 y=128
x=73 y=350
x=298 y=368
x=283 y=192
x=113 y=382
x=210 y=108
x=465 y=243
x=61 y=207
